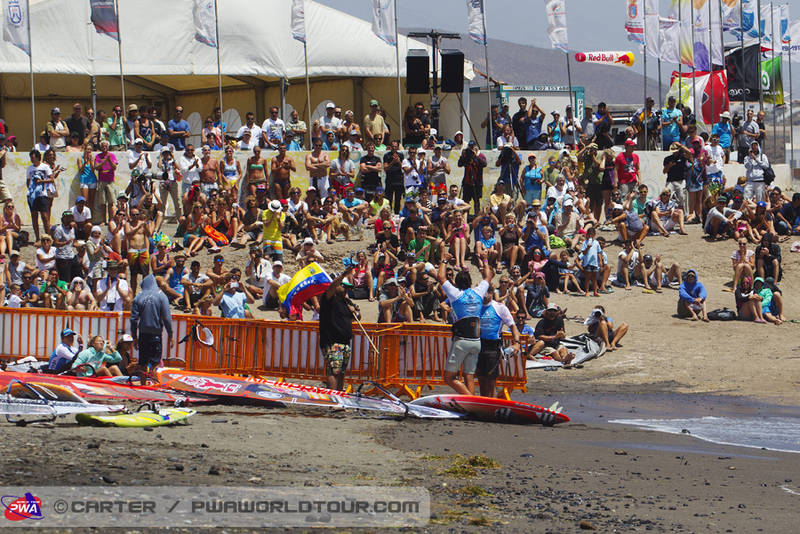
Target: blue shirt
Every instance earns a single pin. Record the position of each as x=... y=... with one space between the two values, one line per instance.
x=293 y=146
x=232 y=305
x=589 y=252
x=534 y=127
x=672 y=132
x=465 y=303
x=493 y=316
x=725 y=133
x=178 y=126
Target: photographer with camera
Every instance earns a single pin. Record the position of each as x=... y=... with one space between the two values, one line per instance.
x=473 y=163
x=232 y=299
x=111 y=291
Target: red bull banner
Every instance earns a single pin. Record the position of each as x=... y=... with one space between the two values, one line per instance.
x=617 y=59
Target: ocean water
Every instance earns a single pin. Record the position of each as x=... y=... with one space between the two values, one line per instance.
x=772 y=433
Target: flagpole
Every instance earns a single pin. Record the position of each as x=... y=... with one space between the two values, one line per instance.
x=791 y=107
x=30 y=68
x=569 y=81
x=644 y=78
x=743 y=70
x=488 y=82
x=711 y=59
x=773 y=82
x=308 y=96
x=680 y=59
x=722 y=48
x=660 y=97
x=694 y=69
x=119 y=49
x=219 y=68
x=399 y=91
x=758 y=25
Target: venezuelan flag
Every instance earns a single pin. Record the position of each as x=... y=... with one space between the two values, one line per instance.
x=309 y=281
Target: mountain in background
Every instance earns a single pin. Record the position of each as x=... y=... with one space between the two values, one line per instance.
x=518 y=64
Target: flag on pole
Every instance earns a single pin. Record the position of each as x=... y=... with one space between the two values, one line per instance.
x=308 y=282
x=634 y=22
x=682 y=12
x=205 y=28
x=383 y=21
x=651 y=24
x=766 y=25
x=477 y=30
x=701 y=100
x=771 y=81
x=557 y=23
x=749 y=26
x=15 y=29
x=104 y=17
x=702 y=24
x=742 y=66
x=669 y=33
x=299 y=20
x=730 y=15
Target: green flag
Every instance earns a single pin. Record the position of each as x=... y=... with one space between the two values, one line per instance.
x=771 y=81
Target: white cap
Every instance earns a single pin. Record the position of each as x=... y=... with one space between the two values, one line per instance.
x=421 y=151
x=567 y=202
x=406 y=164
x=434 y=132
x=277 y=263
x=617 y=207
x=458 y=133
x=330 y=105
x=126 y=337
x=308 y=241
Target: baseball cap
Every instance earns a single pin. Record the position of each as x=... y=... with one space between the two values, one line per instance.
x=567 y=202
x=13 y=253
x=67 y=332
x=391 y=282
x=471 y=143
x=761 y=204
x=458 y=133
x=373 y=102
x=553 y=306
x=630 y=142
x=308 y=241
x=379 y=189
x=434 y=132
x=66 y=213
x=133 y=107
x=722 y=198
x=80 y=199
x=311 y=188
x=126 y=337
x=278 y=263
x=138 y=141
x=55 y=110
x=330 y=105
x=359 y=190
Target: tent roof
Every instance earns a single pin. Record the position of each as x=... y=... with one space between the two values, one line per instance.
x=158 y=40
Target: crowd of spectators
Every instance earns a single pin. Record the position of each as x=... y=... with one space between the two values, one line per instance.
x=538 y=230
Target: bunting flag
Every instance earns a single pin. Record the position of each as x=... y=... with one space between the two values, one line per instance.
x=299 y=20
x=669 y=33
x=383 y=21
x=742 y=68
x=700 y=101
x=104 y=17
x=308 y=282
x=771 y=81
x=557 y=23
x=15 y=27
x=634 y=21
x=475 y=21
x=205 y=15
x=651 y=25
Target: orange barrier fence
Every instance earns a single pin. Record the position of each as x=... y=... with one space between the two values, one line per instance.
x=411 y=355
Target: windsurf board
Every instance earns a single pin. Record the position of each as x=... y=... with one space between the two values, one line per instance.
x=164 y=416
x=493 y=409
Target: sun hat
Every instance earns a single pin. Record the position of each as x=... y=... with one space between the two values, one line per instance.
x=725 y=115
x=275 y=205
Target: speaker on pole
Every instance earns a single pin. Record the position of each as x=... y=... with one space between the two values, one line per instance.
x=452 y=71
x=417 y=72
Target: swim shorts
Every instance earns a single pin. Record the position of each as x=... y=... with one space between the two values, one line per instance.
x=337 y=357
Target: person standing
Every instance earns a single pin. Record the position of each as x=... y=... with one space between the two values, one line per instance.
x=178 y=129
x=63 y=239
x=627 y=166
x=466 y=303
x=57 y=130
x=373 y=123
x=493 y=316
x=336 y=313
x=671 y=124
x=150 y=314
x=392 y=165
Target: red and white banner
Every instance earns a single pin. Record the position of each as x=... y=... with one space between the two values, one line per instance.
x=700 y=102
x=617 y=59
x=634 y=21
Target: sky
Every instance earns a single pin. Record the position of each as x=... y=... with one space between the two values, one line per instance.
x=523 y=21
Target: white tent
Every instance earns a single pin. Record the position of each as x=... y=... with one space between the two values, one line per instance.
x=158 y=40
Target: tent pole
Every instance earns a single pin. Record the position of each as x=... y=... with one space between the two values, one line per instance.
x=30 y=69
x=488 y=80
x=219 y=68
x=308 y=96
x=399 y=133
x=119 y=50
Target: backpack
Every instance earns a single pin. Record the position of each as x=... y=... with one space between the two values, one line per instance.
x=722 y=314
x=218 y=237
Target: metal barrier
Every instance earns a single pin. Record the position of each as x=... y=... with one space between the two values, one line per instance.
x=412 y=355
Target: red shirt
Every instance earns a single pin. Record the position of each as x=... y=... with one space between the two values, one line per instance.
x=627 y=166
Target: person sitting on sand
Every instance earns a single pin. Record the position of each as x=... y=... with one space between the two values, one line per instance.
x=748 y=302
x=654 y=274
x=692 y=298
x=627 y=221
x=601 y=327
x=744 y=263
x=666 y=214
x=549 y=332
x=769 y=308
x=721 y=220
x=100 y=357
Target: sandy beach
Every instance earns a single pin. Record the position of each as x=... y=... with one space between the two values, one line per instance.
x=610 y=477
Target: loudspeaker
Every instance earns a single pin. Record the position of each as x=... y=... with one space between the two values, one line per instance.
x=452 y=71
x=417 y=72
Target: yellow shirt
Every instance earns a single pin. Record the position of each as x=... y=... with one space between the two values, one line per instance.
x=272 y=228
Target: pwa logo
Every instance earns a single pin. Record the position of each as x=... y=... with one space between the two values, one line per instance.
x=21 y=508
